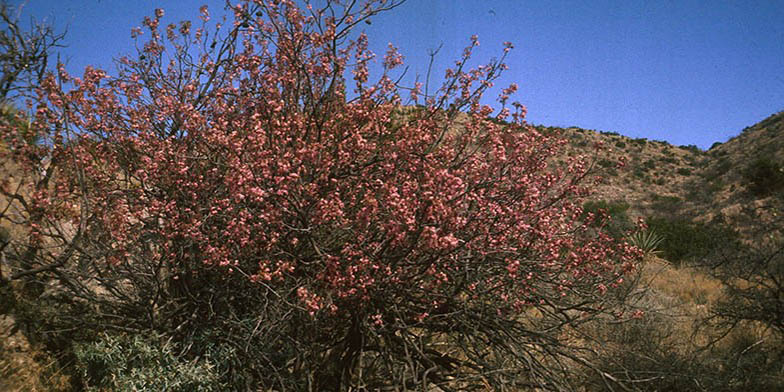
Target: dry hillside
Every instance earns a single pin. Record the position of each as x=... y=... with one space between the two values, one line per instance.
x=661 y=179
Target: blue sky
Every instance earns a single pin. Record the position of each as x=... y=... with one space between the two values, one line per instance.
x=688 y=72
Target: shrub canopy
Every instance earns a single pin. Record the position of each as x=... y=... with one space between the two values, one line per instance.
x=233 y=191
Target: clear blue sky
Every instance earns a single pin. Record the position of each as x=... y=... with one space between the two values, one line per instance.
x=688 y=72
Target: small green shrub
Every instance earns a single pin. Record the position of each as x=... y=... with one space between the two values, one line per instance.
x=722 y=166
x=620 y=144
x=691 y=148
x=607 y=163
x=764 y=176
x=617 y=223
x=670 y=160
x=136 y=363
x=685 y=240
x=683 y=171
x=639 y=172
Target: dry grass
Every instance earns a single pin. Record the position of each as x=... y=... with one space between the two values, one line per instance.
x=688 y=285
x=24 y=367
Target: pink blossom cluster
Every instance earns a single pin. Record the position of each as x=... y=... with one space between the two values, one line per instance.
x=337 y=204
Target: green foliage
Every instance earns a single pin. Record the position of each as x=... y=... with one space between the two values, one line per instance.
x=683 y=171
x=11 y=116
x=620 y=144
x=136 y=363
x=649 y=165
x=582 y=143
x=639 y=172
x=609 y=167
x=685 y=240
x=670 y=160
x=616 y=222
x=722 y=166
x=647 y=241
x=764 y=176
x=691 y=148
x=607 y=163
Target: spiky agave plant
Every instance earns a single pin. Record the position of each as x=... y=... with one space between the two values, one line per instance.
x=647 y=241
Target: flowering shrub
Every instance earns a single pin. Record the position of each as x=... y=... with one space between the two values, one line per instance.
x=236 y=193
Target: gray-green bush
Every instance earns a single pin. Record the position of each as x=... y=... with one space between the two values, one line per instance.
x=136 y=363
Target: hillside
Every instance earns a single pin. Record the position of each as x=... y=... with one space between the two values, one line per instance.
x=746 y=172
x=651 y=171
x=661 y=179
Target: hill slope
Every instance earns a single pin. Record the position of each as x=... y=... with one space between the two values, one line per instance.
x=720 y=184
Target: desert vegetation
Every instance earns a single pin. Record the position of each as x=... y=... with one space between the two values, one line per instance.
x=248 y=205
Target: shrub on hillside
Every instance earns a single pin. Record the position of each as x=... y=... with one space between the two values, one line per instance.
x=764 y=177
x=683 y=171
x=236 y=195
x=691 y=148
x=611 y=215
x=685 y=240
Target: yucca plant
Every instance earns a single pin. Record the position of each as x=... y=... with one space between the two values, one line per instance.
x=647 y=241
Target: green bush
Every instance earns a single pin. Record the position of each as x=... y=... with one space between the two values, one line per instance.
x=670 y=160
x=136 y=363
x=691 y=148
x=617 y=222
x=722 y=166
x=683 y=171
x=607 y=163
x=764 y=176
x=639 y=172
x=685 y=240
